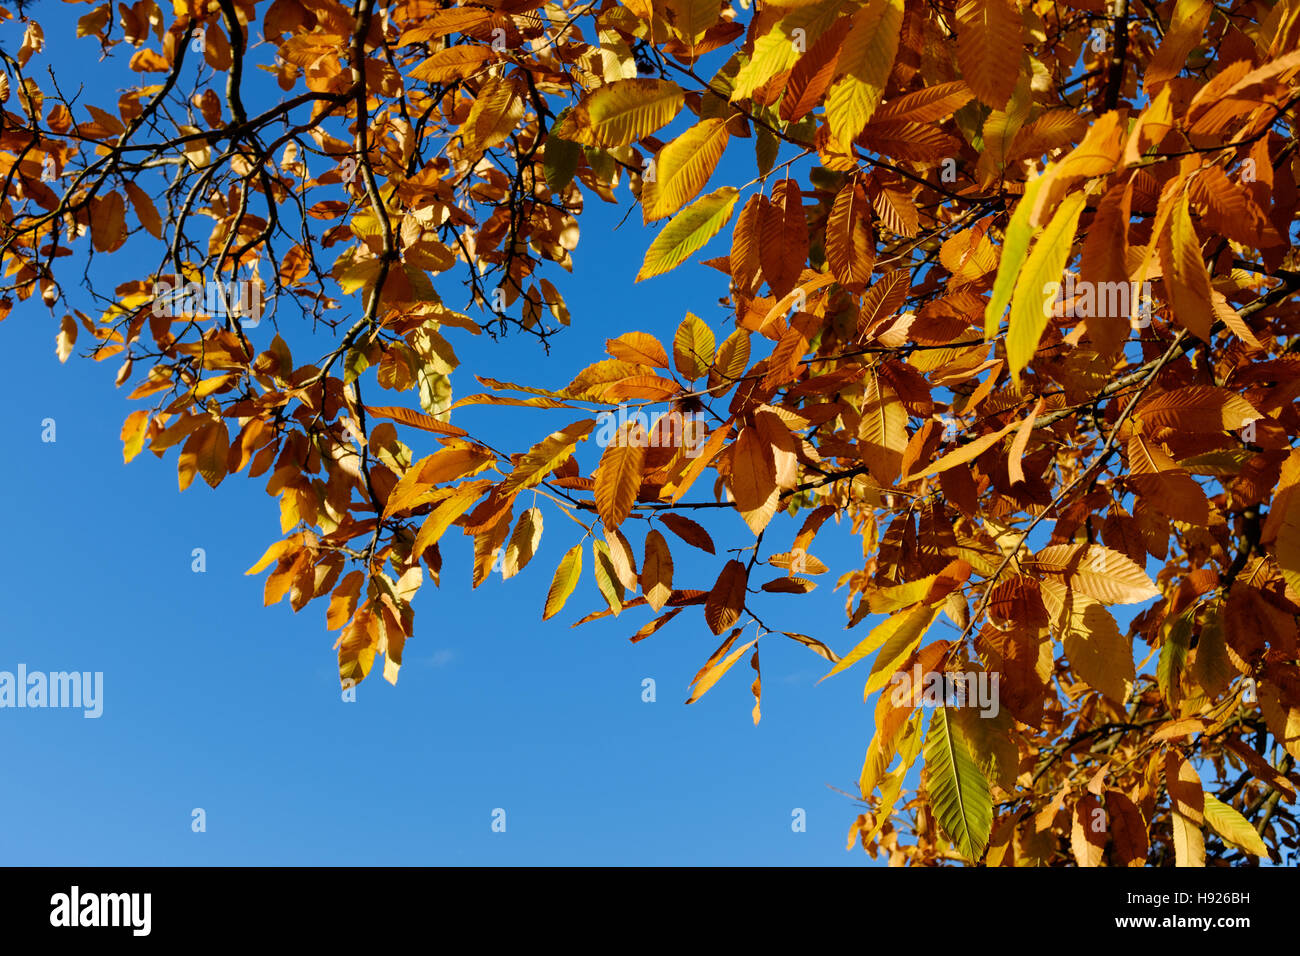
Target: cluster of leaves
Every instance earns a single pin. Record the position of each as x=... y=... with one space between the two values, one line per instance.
x=920 y=168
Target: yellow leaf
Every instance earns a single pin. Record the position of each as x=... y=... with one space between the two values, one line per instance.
x=1035 y=288
x=107 y=222
x=638 y=348
x=565 y=580
x=620 y=556
x=611 y=589
x=683 y=168
x=546 y=456
x=882 y=430
x=1186 y=277
x=415 y=419
x=692 y=18
x=1285 y=515
x=94 y=21
x=450 y=464
x=753 y=478
x=849 y=251
x=523 y=543
x=442 y=517
x=727 y=598
x=1015 y=246
x=777 y=50
x=205 y=452
x=911 y=622
x=1187 y=803
x=1186 y=25
x=692 y=347
x=452 y=64
x=133 y=430
x=863 y=67
x=1108 y=576
x=1233 y=827
x=618 y=477
x=1096 y=650
x=622 y=112
x=733 y=358
x=145 y=210
x=688 y=232
x=714 y=673
x=899 y=646
x=67 y=338
x=496 y=110
x=344 y=600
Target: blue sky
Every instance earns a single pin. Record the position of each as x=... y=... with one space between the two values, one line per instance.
x=213 y=702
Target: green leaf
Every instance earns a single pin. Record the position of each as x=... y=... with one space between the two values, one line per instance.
x=354 y=363
x=560 y=161
x=1233 y=827
x=1015 y=246
x=1213 y=668
x=435 y=393
x=1030 y=304
x=606 y=577
x=959 y=794
x=1173 y=655
x=688 y=232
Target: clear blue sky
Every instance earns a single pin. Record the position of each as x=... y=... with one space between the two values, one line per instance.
x=211 y=701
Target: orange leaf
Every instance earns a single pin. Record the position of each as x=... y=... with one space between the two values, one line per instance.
x=657 y=571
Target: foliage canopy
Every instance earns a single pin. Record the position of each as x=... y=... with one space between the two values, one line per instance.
x=1009 y=295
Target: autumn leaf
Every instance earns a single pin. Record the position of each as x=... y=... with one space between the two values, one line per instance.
x=618 y=478
x=683 y=168
x=622 y=112
x=688 y=232
x=523 y=542
x=864 y=64
x=565 y=580
x=900 y=629
x=547 y=455
x=692 y=347
x=656 y=571
x=989 y=45
x=689 y=531
x=727 y=598
x=704 y=682
x=1233 y=827
x=1033 y=297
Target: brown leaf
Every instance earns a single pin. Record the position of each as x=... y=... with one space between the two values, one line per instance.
x=727 y=598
